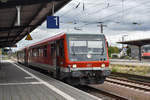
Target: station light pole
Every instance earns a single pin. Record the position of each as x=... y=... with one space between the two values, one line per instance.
x=101 y=27
x=18 y=15
x=123 y=38
x=140 y=54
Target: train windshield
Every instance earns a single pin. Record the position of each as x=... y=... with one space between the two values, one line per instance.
x=86 y=48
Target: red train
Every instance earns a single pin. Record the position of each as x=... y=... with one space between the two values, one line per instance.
x=75 y=58
x=146 y=55
x=146 y=52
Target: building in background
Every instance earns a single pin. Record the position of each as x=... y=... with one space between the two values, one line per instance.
x=134 y=51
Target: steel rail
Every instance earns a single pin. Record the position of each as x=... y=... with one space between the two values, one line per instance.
x=128 y=80
x=97 y=92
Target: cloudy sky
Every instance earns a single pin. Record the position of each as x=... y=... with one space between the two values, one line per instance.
x=121 y=17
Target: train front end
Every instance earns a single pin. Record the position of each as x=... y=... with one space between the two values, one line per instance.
x=87 y=58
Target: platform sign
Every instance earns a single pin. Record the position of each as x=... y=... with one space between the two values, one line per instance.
x=52 y=22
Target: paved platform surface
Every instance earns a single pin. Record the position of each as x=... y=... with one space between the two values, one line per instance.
x=130 y=62
x=21 y=83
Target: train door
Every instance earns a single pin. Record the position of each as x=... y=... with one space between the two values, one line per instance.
x=54 y=55
x=26 y=57
x=56 y=51
x=57 y=59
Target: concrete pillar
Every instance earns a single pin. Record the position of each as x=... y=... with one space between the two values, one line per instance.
x=140 y=54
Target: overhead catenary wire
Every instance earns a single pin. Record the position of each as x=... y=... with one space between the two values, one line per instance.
x=96 y=7
x=125 y=10
x=80 y=16
x=117 y=13
x=77 y=6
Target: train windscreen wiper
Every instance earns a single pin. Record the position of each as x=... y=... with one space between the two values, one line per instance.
x=102 y=51
x=73 y=50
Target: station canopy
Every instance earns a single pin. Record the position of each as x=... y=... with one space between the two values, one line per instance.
x=139 y=42
x=32 y=14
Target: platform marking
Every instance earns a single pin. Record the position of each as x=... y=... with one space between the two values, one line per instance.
x=29 y=77
x=25 y=83
x=66 y=96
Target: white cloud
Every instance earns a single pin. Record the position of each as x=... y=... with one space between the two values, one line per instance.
x=120 y=18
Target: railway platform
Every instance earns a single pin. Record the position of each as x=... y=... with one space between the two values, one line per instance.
x=21 y=83
x=130 y=62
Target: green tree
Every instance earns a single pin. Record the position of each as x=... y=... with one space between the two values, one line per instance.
x=112 y=49
x=129 y=51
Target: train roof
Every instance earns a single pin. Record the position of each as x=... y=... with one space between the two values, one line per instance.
x=83 y=34
x=58 y=36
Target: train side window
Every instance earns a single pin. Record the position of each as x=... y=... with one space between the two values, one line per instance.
x=41 y=52
x=34 y=52
x=31 y=52
x=45 y=51
x=37 y=52
x=52 y=49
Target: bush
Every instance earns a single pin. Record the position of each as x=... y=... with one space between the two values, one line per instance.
x=112 y=49
x=114 y=56
x=114 y=70
x=124 y=57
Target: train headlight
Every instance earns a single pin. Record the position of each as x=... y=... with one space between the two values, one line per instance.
x=74 y=65
x=103 y=65
x=89 y=56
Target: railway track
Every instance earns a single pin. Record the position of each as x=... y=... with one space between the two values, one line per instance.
x=131 y=81
x=106 y=95
x=121 y=81
x=137 y=78
x=130 y=85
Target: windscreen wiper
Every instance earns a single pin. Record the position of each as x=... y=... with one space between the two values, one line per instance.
x=102 y=51
x=73 y=50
